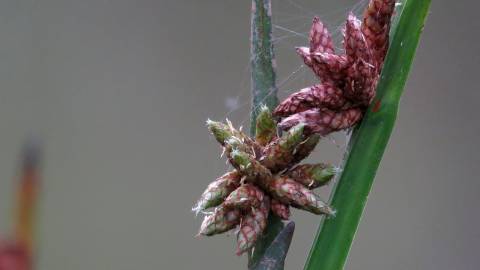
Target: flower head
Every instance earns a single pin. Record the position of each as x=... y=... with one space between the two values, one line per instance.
x=265 y=180
x=348 y=80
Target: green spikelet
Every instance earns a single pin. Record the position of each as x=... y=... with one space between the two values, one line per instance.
x=236 y=144
x=313 y=175
x=305 y=148
x=224 y=132
x=250 y=168
x=220 y=131
x=280 y=153
x=241 y=160
x=266 y=128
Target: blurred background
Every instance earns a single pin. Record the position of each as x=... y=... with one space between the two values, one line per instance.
x=119 y=92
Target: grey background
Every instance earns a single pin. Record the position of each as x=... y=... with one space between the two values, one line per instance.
x=119 y=91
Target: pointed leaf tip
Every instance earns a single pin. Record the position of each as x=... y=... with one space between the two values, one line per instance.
x=274 y=257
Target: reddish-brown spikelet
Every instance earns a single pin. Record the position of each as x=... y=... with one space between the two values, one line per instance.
x=327 y=66
x=335 y=64
x=323 y=121
x=252 y=226
x=244 y=198
x=325 y=95
x=360 y=87
x=321 y=43
x=221 y=220
x=280 y=209
x=312 y=175
x=376 y=26
x=320 y=39
x=288 y=191
x=362 y=73
x=304 y=149
x=217 y=191
x=356 y=47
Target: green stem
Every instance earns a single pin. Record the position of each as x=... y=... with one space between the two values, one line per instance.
x=264 y=91
x=335 y=235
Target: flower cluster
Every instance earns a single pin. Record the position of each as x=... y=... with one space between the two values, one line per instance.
x=348 y=80
x=266 y=179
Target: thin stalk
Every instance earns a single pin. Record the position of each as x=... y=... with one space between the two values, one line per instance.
x=262 y=59
x=335 y=235
x=264 y=91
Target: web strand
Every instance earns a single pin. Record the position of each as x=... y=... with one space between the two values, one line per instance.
x=291 y=25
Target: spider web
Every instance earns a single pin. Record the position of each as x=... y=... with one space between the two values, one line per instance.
x=291 y=22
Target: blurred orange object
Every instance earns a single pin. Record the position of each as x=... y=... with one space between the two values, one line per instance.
x=14 y=256
x=17 y=253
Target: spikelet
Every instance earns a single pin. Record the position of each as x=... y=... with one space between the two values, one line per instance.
x=244 y=198
x=266 y=128
x=279 y=153
x=221 y=220
x=252 y=226
x=326 y=95
x=217 y=191
x=288 y=191
x=313 y=175
x=280 y=209
x=323 y=121
x=305 y=148
x=376 y=26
